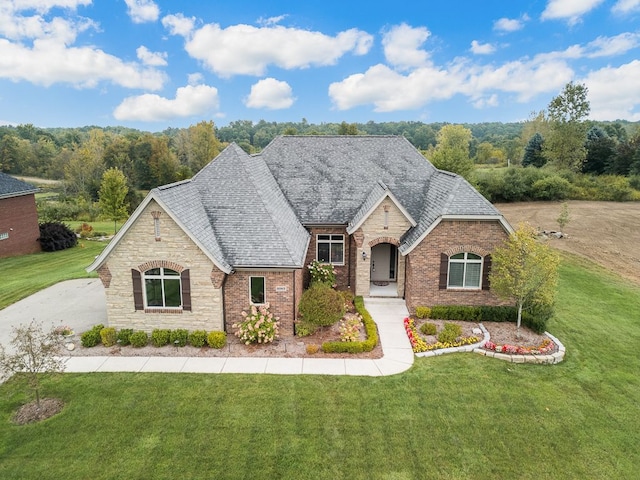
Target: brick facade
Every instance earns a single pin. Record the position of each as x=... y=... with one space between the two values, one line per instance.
x=345 y=276
x=283 y=290
x=19 y=224
x=138 y=250
x=449 y=237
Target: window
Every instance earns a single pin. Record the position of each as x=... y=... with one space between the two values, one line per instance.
x=465 y=271
x=4 y=235
x=162 y=288
x=257 y=290
x=330 y=249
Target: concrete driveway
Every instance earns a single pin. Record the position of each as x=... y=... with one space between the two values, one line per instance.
x=79 y=304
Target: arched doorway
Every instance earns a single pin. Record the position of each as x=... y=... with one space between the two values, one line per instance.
x=384 y=264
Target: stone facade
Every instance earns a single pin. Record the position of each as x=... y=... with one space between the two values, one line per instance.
x=386 y=224
x=450 y=237
x=283 y=290
x=19 y=231
x=139 y=249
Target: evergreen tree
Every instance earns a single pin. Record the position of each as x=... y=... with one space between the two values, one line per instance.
x=600 y=148
x=533 y=152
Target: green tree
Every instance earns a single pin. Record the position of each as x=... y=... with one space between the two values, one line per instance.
x=348 y=129
x=564 y=146
x=524 y=270
x=113 y=196
x=203 y=145
x=452 y=150
x=600 y=148
x=533 y=152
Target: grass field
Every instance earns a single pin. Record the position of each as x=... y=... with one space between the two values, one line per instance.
x=27 y=274
x=453 y=417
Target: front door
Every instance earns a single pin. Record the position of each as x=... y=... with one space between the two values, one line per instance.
x=383 y=263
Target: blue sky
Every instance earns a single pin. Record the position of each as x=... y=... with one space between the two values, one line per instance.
x=157 y=64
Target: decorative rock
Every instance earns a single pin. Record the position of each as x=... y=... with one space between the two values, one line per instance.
x=70 y=346
x=477 y=331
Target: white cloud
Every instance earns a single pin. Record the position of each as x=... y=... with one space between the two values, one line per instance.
x=195 y=78
x=43 y=6
x=142 y=11
x=482 y=48
x=571 y=10
x=484 y=102
x=189 y=101
x=249 y=50
x=613 y=92
x=626 y=6
x=271 y=20
x=155 y=59
x=402 y=46
x=179 y=24
x=610 y=46
x=510 y=24
x=270 y=93
x=50 y=62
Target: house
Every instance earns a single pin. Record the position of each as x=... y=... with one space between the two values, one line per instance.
x=243 y=230
x=19 y=231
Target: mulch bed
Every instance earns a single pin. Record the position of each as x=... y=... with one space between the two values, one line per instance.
x=31 y=412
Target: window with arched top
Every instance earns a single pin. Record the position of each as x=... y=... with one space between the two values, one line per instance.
x=465 y=270
x=161 y=288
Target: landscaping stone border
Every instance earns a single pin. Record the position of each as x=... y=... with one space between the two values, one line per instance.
x=552 y=358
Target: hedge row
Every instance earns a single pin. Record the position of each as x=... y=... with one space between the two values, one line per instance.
x=159 y=337
x=534 y=318
x=356 y=347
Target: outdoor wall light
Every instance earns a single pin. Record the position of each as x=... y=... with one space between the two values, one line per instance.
x=364 y=255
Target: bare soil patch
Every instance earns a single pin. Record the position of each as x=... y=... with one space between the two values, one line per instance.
x=607 y=233
x=32 y=412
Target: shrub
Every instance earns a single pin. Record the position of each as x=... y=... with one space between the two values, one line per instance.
x=536 y=317
x=124 y=336
x=321 y=306
x=259 y=326
x=551 y=188
x=90 y=338
x=179 y=337
x=428 y=328
x=449 y=333
x=304 y=329
x=350 y=328
x=356 y=347
x=139 y=339
x=347 y=296
x=322 y=273
x=423 y=312
x=55 y=236
x=217 y=339
x=198 y=338
x=108 y=336
x=634 y=182
x=160 y=337
x=312 y=349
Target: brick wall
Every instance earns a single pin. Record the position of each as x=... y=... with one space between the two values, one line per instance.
x=282 y=291
x=139 y=249
x=342 y=271
x=423 y=263
x=19 y=219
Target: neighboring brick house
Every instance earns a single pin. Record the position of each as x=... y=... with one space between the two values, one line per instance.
x=242 y=231
x=19 y=231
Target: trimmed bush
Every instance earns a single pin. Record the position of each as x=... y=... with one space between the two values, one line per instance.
x=320 y=305
x=217 y=339
x=179 y=337
x=356 y=347
x=428 y=328
x=304 y=329
x=423 y=312
x=108 y=336
x=55 y=236
x=198 y=338
x=124 y=336
x=139 y=339
x=90 y=338
x=533 y=317
x=160 y=337
x=312 y=349
x=449 y=333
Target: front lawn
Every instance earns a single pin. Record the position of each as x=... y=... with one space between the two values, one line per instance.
x=454 y=416
x=27 y=274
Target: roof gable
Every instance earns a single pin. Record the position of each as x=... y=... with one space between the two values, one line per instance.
x=379 y=192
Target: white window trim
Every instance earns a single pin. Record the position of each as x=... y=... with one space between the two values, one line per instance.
x=264 y=290
x=4 y=235
x=465 y=261
x=161 y=277
x=331 y=242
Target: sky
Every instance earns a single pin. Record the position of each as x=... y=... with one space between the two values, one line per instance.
x=151 y=65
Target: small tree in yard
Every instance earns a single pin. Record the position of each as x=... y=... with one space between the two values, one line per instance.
x=113 y=194
x=524 y=270
x=33 y=352
x=563 y=219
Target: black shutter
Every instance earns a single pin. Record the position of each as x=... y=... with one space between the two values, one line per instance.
x=486 y=270
x=444 y=271
x=186 y=290
x=136 y=277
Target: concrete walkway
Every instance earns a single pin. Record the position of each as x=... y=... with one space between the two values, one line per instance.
x=388 y=313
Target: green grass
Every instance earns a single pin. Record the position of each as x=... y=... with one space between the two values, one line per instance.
x=28 y=274
x=104 y=226
x=453 y=417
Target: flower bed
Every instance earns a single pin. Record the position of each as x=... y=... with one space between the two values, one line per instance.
x=547 y=346
x=418 y=344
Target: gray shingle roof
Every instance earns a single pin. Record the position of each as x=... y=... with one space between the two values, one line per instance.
x=12 y=187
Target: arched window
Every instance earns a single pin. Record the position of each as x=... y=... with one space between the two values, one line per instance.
x=162 y=288
x=465 y=270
